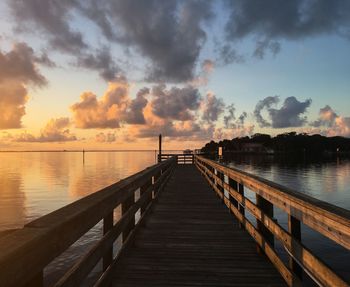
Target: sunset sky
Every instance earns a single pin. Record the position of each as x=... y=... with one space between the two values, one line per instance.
x=114 y=74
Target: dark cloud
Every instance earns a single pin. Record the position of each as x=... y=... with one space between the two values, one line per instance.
x=230 y=116
x=20 y=64
x=273 y=20
x=51 y=17
x=175 y=103
x=169 y=33
x=265 y=103
x=213 y=108
x=228 y=54
x=102 y=62
x=135 y=110
x=289 y=115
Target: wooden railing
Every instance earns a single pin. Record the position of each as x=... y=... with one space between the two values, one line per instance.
x=26 y=252
x=326 y=219
x=180 y=158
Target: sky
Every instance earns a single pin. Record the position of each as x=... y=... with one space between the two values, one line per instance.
x=114 y=74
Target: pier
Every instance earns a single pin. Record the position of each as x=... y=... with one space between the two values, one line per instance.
x=183 y=222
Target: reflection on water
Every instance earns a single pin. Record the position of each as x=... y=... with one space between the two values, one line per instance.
x=326 y=180
x=36 y=183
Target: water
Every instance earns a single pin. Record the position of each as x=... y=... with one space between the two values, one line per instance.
x=33 y=184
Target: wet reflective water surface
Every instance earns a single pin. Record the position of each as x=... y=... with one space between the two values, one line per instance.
x=33 y=184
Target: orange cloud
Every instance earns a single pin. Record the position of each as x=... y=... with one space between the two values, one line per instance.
x=13 y=97
x=56 y=130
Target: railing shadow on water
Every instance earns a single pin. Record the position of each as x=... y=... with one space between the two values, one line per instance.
x=25 y=253
x=326 y=219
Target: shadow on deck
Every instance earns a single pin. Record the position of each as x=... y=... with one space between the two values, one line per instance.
x=189 y=239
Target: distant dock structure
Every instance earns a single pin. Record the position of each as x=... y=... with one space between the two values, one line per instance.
x=183 y=222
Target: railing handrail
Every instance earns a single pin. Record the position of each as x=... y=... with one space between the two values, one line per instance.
x=338 y=215
x=27 y=251
x=325 y=218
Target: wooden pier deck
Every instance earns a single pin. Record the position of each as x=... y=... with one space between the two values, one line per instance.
x=189 y=239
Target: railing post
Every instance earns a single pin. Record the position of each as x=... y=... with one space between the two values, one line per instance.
x=37 y=280
x=267 y=208
x=125 y=207
x=221 y=179
x=233 y=184
x=160 y=149
x=241 y=206
x=107 y=225
x=143 y=189
x=295 y=231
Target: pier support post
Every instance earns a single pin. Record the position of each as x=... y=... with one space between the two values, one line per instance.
x=295 y=230
x=267 y=208
x=108 y=225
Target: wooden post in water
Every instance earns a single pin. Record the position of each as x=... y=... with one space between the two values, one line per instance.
x=160 y=149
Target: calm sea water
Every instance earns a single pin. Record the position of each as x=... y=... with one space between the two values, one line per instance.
x=33 y=184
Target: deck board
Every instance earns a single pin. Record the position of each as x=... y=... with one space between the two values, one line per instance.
x=190 y=239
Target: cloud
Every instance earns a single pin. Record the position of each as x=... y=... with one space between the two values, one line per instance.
x=54 y=18
x=175 y=103
x=56 y=130
x=213 y=108
x=18 y=67
x=169 y=33
x=13 y=97
x=106 y=112
x=327 y=117
x=265 y=103
x=207 y=69
x=51 y=17
x=101 y=62
x=331 y=124
x=20 y=64
x=289 y=115
x=134 y=114
x=294 y=20
x=112 y=110
x=106 y=137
